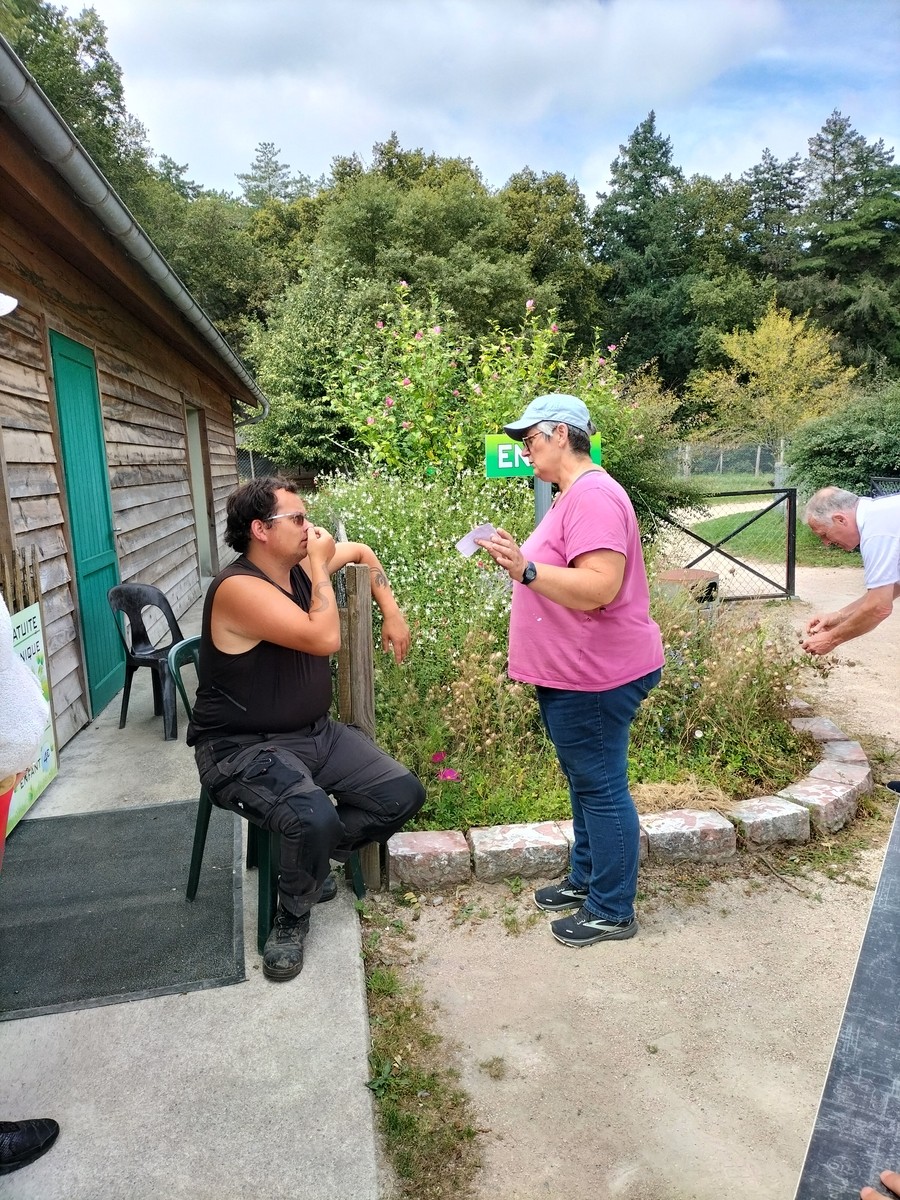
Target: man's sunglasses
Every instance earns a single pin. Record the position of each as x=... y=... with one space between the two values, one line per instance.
x=298 y=518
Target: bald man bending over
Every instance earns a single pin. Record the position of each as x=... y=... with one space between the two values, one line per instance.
x=843 y=519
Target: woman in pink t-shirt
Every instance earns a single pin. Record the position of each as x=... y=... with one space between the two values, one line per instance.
x=580 y=630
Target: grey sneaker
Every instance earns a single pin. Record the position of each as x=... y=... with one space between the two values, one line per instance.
x=557 y=896
x=283 y=951
x=583 y=928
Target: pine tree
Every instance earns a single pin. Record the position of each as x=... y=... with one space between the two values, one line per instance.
x=639 y=232
x=777 y=196
x=268 y=179
x=842 y=169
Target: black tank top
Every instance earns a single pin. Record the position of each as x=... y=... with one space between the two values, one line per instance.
x=269 y=689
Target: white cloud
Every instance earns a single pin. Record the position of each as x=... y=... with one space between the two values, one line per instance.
x=557 y=84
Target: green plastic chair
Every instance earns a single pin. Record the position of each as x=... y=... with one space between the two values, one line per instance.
x=262 y=846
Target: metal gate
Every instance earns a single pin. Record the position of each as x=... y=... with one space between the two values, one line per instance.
x=750 y=542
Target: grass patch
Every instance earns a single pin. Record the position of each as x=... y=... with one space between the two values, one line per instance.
x=426 y=1119
x=705 y=485
x=516 y=920
x=766 y=540
x=836 y=855
x=494 y=1067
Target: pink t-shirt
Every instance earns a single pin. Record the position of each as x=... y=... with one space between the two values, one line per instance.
x=592 y=651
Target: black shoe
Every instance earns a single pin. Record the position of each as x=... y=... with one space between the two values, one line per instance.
x=584 y=928
x=564 y=894
x=329 y=888
x=283 y=951
x=21 y=1142
x=893 y=784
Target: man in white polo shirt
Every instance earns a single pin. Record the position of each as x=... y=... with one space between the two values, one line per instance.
x=840 y=518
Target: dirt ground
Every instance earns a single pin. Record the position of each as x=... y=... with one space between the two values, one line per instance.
x=687 y=1063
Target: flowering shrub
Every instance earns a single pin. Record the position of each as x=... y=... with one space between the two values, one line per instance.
x=402 y=394
x=509 y=370
x=419 y=403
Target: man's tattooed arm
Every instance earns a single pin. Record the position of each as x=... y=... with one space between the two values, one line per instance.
x=324 y=594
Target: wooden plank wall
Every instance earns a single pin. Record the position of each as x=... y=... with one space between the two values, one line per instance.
x=144 y=385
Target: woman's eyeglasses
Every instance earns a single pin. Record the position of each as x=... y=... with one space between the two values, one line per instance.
x=526 y=441
x=299 y=518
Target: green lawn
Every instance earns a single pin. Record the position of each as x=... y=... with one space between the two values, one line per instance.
x=764 y=540
x=704 y=484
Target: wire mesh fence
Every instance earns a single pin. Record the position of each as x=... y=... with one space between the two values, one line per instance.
x=252 y=465
x=757 y=460
x=747 y=539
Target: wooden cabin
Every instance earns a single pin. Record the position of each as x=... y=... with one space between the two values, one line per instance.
x=118 y=403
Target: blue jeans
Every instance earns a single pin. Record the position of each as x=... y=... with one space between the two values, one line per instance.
x=589 y=731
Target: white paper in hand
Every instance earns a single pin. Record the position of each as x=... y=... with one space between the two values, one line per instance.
x=466 y=545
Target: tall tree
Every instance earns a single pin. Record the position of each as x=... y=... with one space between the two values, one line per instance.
x=409 y=168
x=842 y=169
x=444 y=233
x=778 y=375
x=642 y=173
x=724 y=293
x=548 y=227
x=776 y=196
x=268 y=179
x=175 y=175
x=71 y=61
x=848 y=277
x=638 y=232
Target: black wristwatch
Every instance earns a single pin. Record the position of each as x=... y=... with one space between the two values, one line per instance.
x=529 y=575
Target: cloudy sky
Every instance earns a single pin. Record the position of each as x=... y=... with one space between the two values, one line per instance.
x=552 y=84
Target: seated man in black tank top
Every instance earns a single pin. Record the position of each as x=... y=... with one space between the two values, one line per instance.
x=264 y=742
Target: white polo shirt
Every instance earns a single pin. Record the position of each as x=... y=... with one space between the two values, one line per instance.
x=879 y=539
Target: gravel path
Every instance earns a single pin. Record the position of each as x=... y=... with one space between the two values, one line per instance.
x=686 y=1064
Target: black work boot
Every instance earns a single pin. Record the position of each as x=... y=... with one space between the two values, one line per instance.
x=329 y=888
x=283 y=951
x=21 y=1142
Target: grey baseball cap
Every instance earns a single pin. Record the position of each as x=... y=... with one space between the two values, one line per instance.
x=556 y=407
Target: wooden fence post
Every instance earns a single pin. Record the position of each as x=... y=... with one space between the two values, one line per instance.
x=356 y=683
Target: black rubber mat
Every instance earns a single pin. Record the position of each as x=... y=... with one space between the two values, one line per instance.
x=92 y=909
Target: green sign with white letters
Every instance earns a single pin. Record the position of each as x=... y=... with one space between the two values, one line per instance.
x=504 y=458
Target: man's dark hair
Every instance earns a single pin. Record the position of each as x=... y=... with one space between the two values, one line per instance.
x=254 y=500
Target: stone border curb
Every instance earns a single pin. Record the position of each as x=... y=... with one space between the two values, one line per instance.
x=822 y=802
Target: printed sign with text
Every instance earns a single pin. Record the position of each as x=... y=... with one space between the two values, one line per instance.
x=28 y=640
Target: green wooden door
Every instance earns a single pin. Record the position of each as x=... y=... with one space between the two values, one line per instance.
x=90 y=513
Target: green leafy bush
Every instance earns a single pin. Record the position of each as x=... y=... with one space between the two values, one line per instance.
x=719 y=713
x=847 y=449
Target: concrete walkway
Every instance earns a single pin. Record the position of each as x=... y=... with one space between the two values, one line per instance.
x=250 y=1092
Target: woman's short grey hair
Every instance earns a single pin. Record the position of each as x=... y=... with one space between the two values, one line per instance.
x=579 y=441
x=826 y=502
